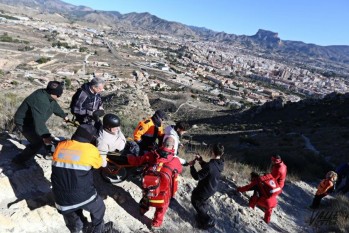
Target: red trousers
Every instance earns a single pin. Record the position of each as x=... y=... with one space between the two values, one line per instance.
x=266 y=204
x=159 y=215
x=159 y=212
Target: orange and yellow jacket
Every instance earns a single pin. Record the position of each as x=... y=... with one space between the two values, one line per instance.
x=72 y=177
x=146 y=133
x=324 y=186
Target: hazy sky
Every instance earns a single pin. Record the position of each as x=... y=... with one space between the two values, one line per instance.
x=322 y=22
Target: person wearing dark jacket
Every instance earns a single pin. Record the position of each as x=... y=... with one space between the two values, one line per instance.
x=208 y=178
x=72 y=180
x=31 y=116
x=87 y=100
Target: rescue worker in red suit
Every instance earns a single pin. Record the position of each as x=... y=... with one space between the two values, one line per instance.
x=278 y=170
x=259 y=198
x=171 y=166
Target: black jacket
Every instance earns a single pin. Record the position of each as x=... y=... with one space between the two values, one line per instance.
x=84 y=103
x=208 y=178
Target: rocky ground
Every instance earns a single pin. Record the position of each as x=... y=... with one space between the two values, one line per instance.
x=26 y=203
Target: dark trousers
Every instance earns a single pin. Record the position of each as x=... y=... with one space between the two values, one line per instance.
x=201 y=207
x=35 y=143
x=317 y=200
x=75 y=220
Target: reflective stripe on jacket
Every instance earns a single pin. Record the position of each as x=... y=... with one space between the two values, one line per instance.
x=145 y=132
x=72 y=177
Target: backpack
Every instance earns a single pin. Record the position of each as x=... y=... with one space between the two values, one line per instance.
x=268 y=185
x=155 y=185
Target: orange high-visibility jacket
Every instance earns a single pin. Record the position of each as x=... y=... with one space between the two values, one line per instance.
x=145 y=131
x=324 y=186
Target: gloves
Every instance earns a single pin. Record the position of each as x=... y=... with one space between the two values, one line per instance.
x=97 y=114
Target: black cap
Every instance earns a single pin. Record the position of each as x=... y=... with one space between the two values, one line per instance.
x=160 y=114
x=54 y=88
x=85 y=133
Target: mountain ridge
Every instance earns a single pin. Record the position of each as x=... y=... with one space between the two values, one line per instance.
x=264 y=41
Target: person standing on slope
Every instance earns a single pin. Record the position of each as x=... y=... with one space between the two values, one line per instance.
x=86 y=103
x=208 y=178
x=72 y=181
x=175 y=132
x=31 y=116
x=278 y=170
x=325 y=187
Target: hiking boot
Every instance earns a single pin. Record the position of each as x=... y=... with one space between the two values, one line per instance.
x=156 y=225
x=142 y=211
x=206 y=226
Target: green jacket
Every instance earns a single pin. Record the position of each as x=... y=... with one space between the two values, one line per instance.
x=35 y=110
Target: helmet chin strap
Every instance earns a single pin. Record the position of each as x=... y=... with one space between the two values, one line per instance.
x=108 y=130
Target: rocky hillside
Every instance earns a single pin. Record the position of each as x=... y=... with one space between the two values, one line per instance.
x=27 y=205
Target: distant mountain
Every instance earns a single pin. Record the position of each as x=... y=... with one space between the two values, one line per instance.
x=265 y=42
x=47 y=5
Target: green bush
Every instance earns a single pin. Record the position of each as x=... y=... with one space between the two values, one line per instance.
x=8 y=17
x=83 y=49
x=42 y=60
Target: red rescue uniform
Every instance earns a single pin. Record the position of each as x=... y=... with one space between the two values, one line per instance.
x=268 y=203
x=279 y=171
x=172 y=167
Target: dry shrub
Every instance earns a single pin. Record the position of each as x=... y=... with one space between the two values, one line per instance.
x=338 y=208
x=239 y=172
x=188 y=153
x=8 y=106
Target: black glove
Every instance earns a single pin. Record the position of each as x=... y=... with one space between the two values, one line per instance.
x=97 y=114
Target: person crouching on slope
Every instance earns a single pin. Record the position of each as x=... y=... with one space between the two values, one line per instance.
x=160 y=178
x=266 y=189
x=31 y=116
x=110 y=137
x=208 y=178
x=72 y=181
x=325 y=187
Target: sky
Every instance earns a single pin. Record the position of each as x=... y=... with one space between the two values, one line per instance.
x=322 y=22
